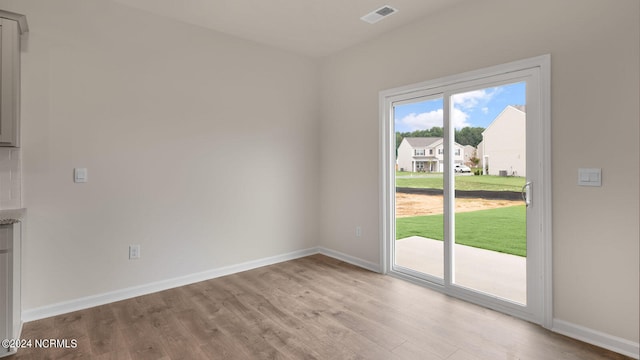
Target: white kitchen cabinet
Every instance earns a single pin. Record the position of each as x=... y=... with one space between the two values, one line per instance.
x=12 y=25
x=10 y=306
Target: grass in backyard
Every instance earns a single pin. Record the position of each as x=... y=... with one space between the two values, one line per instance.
x=502 y=229
x=484 y=182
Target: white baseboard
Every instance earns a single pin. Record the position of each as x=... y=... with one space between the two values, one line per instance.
x=597 y=338
x=127 y=293
x=350 y=259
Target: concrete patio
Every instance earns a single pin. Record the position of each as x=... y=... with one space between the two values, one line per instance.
x=499 y=274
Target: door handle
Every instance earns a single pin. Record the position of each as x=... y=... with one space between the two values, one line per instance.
x=526 y=193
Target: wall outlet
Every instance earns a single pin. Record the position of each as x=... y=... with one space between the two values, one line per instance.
x=358 y=231
x=134 y=252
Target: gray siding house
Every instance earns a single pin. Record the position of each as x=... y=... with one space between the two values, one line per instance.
x=425 y=154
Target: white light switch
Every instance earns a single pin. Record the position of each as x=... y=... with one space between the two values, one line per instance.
x=80 y=175
x=590 y=177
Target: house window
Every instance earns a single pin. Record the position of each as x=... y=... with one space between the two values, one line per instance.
x=430 y=151
x=440 y=151
x=419 y=152
x=457 y=152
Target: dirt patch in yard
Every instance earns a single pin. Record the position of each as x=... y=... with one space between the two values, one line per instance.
x=416 y=204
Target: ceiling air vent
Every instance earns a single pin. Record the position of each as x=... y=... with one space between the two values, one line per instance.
x=379 y=14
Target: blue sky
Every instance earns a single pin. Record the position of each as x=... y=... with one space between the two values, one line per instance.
x=474 y=108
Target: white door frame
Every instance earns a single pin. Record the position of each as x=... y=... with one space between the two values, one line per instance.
x=541 y=193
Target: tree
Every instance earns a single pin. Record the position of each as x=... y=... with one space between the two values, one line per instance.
x=469 y=136
x=465 y=136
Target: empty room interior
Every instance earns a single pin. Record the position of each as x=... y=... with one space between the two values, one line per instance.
x=205 y=178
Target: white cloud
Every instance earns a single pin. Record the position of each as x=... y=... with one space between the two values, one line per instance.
x=465 y=103
x=459 y=118
x=422 y=121
x=472 y=99
x=433 y=118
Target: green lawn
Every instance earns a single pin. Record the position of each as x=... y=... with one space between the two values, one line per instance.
x=502 y=229
x=484 y=182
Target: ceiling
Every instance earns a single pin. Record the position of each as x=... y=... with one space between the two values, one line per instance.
x=311 y=27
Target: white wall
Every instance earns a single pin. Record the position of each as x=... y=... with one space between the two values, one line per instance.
x=594 y=47
x=165 y=116
x=200 y=147
x=10 y=178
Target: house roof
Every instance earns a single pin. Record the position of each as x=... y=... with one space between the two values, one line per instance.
x=521 y=108
x=422 y=141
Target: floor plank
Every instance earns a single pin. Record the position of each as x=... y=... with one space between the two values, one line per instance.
x=310 y=308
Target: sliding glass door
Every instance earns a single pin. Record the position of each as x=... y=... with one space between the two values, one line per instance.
x=464 y=188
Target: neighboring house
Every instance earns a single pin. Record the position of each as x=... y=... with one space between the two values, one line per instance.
x=503 y=147
x=425 y=154
x=469 y=153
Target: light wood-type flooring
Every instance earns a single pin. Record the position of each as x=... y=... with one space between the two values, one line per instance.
x=310 y=308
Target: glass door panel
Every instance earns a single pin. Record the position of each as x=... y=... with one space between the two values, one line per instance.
x=490 y=221
x=419 y=170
